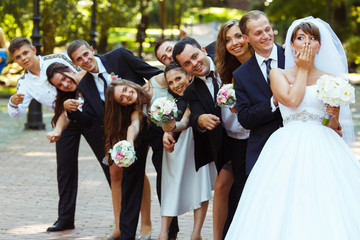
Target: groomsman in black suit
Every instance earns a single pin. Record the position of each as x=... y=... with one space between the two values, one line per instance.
x=200 y=94
x=209 y=135
x=125 y=65
x=257 y=109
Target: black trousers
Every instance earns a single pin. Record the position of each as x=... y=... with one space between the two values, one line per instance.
x=236 y=150
x=67 y=150
x=133 y=182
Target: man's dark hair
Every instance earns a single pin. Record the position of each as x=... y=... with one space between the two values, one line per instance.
x=74 y=45
x=173 y=65
x=17 y=43
x=180 y=45
x=159 y=43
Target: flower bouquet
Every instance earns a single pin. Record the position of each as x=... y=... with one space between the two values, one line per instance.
x=163 y=110
x=334 y=91
x=123 y=154
x=226 y=96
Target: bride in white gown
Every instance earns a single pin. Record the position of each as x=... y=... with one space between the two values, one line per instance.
x=306 y=182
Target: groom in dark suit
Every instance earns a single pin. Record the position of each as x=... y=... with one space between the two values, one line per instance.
x=257 y=109
x=125 y=65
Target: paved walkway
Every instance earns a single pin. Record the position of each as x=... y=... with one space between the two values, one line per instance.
x=28 y=192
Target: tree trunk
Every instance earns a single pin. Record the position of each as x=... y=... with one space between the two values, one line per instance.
x=103 y=41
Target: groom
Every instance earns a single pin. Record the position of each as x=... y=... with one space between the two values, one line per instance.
x=257 y=109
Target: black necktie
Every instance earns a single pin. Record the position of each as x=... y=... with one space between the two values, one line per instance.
x=105 y=83
x=268 y=68
x=215 y=84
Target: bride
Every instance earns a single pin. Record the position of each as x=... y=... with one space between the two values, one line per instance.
x=305 y=184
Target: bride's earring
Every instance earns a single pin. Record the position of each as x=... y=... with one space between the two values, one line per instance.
x=293 y=52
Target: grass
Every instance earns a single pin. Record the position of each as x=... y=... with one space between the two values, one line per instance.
x=7 y=91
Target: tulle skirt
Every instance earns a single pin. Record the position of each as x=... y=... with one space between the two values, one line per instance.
x=305 y=185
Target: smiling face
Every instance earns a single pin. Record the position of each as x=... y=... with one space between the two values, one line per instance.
x=25 y=56
x=235 y=43
x=177 y=80
x=194 y=61
x=125 y=95
x=84 y=58
x=301 y=39
x=164 y=52
x=64 y=81
x=260 y=36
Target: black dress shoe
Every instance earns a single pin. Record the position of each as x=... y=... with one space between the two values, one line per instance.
x=172 y=236
x=61 y=225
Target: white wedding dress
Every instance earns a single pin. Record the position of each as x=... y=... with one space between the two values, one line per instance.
x=305 y=184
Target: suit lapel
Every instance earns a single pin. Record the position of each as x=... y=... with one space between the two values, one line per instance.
x=107 y=64
x=92 y=95
x=281 y=57
x=204 y=94
x=258 y=77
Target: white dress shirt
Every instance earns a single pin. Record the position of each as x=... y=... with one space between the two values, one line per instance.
x=273 y=57
x=98 y=81
x=274 y=64
x=208 y=80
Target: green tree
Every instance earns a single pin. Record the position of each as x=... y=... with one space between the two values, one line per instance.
x=114 y=13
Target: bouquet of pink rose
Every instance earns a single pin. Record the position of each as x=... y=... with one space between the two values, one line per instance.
x=163 y=110
x=226 y=96
x=334 y=91
x=123 y=154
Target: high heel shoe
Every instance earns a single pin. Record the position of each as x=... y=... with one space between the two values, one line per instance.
x=139 y=237
x=110 y=237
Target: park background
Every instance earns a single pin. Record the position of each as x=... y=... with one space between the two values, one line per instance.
x=138 y=24
x=28 y=202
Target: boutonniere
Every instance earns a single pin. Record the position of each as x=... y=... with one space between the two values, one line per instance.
x=113 y=77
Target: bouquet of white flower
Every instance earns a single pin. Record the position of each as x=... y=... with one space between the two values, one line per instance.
x=163 y=110
x=226 y=96
x=334 y=91
x=123 y=154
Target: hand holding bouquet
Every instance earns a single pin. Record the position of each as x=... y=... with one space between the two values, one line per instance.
x=163 y=110
x=226 y=96
x=123 y=154
x=334 y=91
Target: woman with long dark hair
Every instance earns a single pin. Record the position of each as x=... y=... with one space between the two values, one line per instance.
x=231 y=52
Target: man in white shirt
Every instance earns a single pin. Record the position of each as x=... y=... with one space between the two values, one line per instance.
x=33 y=83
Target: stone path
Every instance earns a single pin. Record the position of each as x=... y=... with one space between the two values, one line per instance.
x=28 y=192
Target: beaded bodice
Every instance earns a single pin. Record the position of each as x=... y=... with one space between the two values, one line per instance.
x=310 y=109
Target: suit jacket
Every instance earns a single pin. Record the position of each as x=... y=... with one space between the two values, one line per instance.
x=211 y=49
x=122 y=63
x=253 y=96
x=208 y=144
